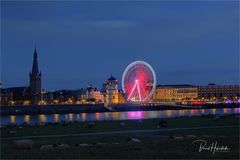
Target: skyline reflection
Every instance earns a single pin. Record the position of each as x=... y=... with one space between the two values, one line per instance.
x=82 y=117
x=27 y=119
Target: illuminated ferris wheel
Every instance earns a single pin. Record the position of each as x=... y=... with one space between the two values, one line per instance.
x=138 y=81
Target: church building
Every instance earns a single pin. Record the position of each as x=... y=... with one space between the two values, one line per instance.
x=35 y=80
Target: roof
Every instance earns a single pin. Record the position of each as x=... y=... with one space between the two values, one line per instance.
x=112 y=78
x=177 y=86
x=18 y=92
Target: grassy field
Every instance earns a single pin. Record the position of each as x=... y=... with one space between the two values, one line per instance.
x=159 y=144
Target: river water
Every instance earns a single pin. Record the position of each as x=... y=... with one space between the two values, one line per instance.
x=82 y=117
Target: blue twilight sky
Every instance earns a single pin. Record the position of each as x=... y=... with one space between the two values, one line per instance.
x=81 y=42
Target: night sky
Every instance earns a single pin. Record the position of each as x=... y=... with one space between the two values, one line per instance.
x=84 y=42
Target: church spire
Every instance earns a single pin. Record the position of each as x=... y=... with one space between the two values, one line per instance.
x=35 y=70
x=35 y=80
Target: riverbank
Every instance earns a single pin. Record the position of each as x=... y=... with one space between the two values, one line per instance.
x=143 y=139
x=93 y=108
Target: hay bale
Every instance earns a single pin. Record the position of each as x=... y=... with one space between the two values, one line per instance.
x=23 y=144
x=63 y=146
x=191 y=136
x=206 y=136
x=163 y=124
x=47 y=147
x=115 y=143
x=122 y=124
x=83 y=145
x=177 y=137
x=99 y=143
x=133 y=140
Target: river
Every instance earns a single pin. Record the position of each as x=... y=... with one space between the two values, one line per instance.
x=82 y=117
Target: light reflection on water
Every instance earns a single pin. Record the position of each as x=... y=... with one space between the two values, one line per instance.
x=12 y=119
x=82 y=117
x=237 y=110
x=56 y=117
x=42 y=118
x=97 y=116
x=70 y=117
x=135 y=115
x=27 y=119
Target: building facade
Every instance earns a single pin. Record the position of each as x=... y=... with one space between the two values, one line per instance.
x=121 y=97
x=175 y=92
x=35 y=80
x=221 y=92
x=111 y=91
x=93 y=94
x=15 y=95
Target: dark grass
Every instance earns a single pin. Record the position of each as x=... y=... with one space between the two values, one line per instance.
x=152 y=145
x=82 y=127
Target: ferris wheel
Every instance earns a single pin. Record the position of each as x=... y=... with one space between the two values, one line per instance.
x=139 y=81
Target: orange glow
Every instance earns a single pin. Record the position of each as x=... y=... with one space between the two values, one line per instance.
x=214 y=110
x=70 y=116
x=27 y=118
x=84 y=116
x=97 y=116
x=224 y=110
x=169 y=113
x=12 y=119
x=42 y=118
x=56 y=117
x=115 y=115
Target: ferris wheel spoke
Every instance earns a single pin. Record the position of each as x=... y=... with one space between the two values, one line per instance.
x=132 y=91
x=134 y=95
x=139 y=94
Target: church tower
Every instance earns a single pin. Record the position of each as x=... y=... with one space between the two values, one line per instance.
x=111 y=91
x=35 y=80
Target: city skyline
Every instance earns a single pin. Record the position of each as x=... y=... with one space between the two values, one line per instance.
x=85 y=44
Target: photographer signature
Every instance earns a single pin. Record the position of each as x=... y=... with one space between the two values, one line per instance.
x=212 y=147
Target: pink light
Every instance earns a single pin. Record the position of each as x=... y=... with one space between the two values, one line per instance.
x=135 y=115
x=238 y=110
x=132 y=91
x=138 y=91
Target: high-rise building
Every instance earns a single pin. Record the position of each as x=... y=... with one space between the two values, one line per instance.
x=111 y=91
x=35 y=80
